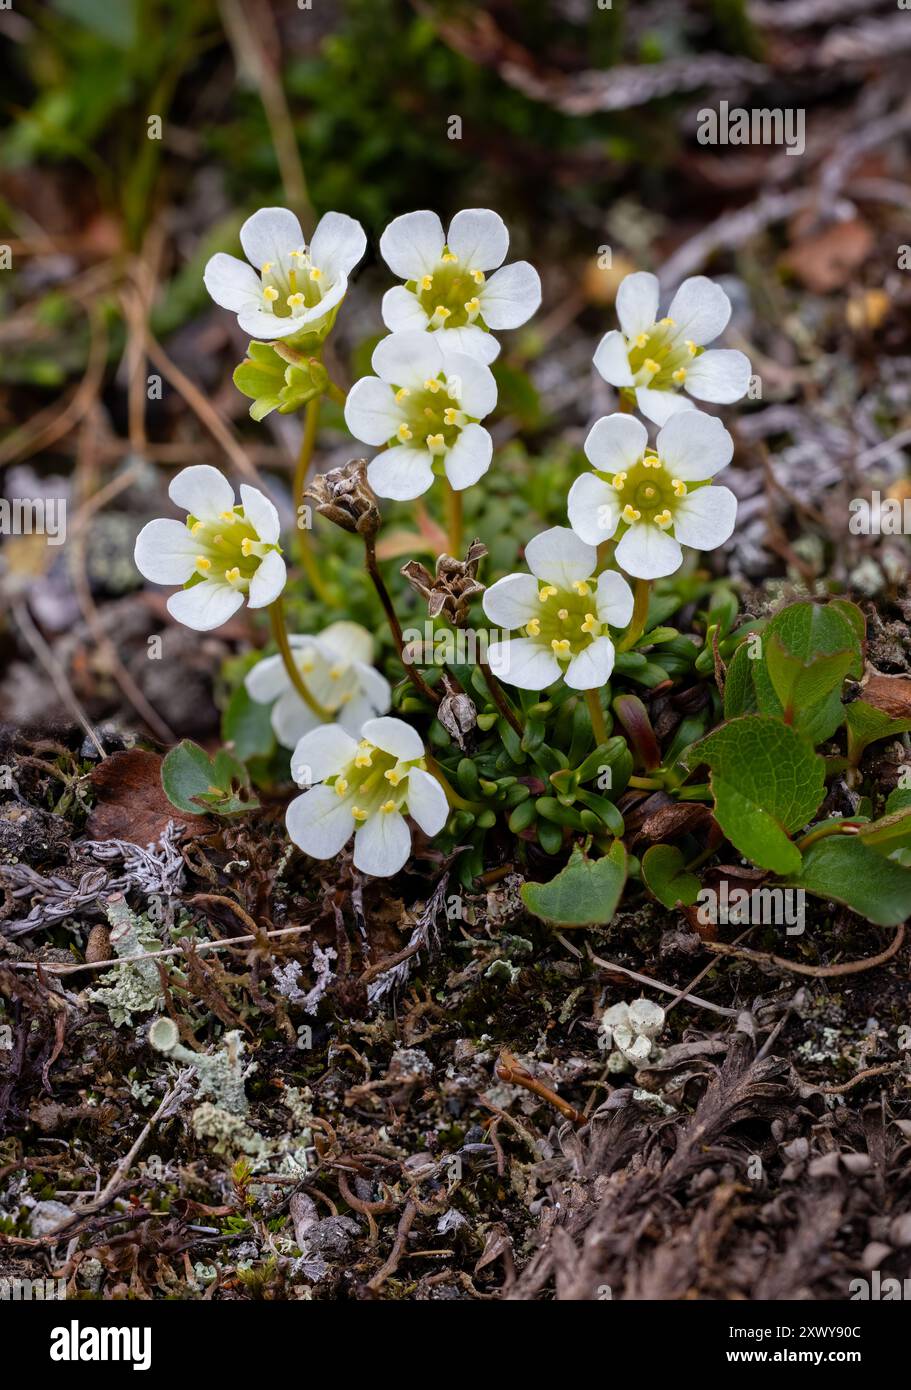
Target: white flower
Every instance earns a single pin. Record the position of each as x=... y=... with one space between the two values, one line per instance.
x=654 y=500
x=565 y=615
x=633 y=1028
x=446 y=285
x=289 y=287
x=425 y=403
x=659 y=359
x=222 y=555
x=363 y=788
x=335 y=667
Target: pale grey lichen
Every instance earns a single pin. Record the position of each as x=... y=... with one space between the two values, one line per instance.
x=137 y=986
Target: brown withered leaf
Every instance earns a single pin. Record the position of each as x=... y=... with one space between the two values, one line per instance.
x=891 y=694
x=826 y=261
x=130 y=803
x=679 y=818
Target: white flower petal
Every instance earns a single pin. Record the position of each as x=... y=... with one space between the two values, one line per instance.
x=510 y=297
x=693 y=446
x=512 y=601
x=319 y=823
x=523 y=662
x=479 y=238
x=349 y=642
x=202 y=491
x=470 y=383
x=376 y=690
x=205 y=606
x=291 y=719
x=400 y=473
x=268 y=581
x=659 y=406
x=407 y=359
x=382 y=844
x=721 y=376
x=615 y=599
x=469 y=458
x=402 y=311
x=322 y=753
x=412 y=244
x=616 y=443
x=471 y=340
x=337 y=244
x=427 y=802
x=270 y=235
x=165 y=552
x=330 y=297
x=592 y=667
x=232 y=283
x=637 y=303
x=265 y=681
x=371 y=412
x=705 y=518
x=265 y=327
x=593 y=508
x=611 y=359
x=647 y=552
x=700 y=309
x=396 y=737
x=559 y=557
x=260 y=513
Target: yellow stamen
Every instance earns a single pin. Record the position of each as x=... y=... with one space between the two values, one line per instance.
x=642 y=340
x=358 y=813
x=196 y=527
x=547 y=592
x=680 y=375
x=404 y=433
x=387 y=807
x=229 y=516
x=363 y=760
x=203 y=562
x=664 y=519
x=560 y=646
x=402 y=393
x=691 y=347
x=393 y=776
x=618 y=480
x=270 y=294
x=478 y=276
x=441 y=312
x=268 y=266
x=426 y=282
x=651 y=461
x=679 y=487
x=436 y=443
x=336 y=673
x=233 y=575
x=432 y=385
x=473 y=306
x=533 y=627
x=246 y=547
x=341 y=786
x=448 y=258
x=581 y=588
x=451 y=416
x=590 y=624
x=295 y=300
x=316 y=273
x=630 y=514
x=651 y=366
x=668 y=323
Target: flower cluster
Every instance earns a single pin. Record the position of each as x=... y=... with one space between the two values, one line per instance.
x=423 y=410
